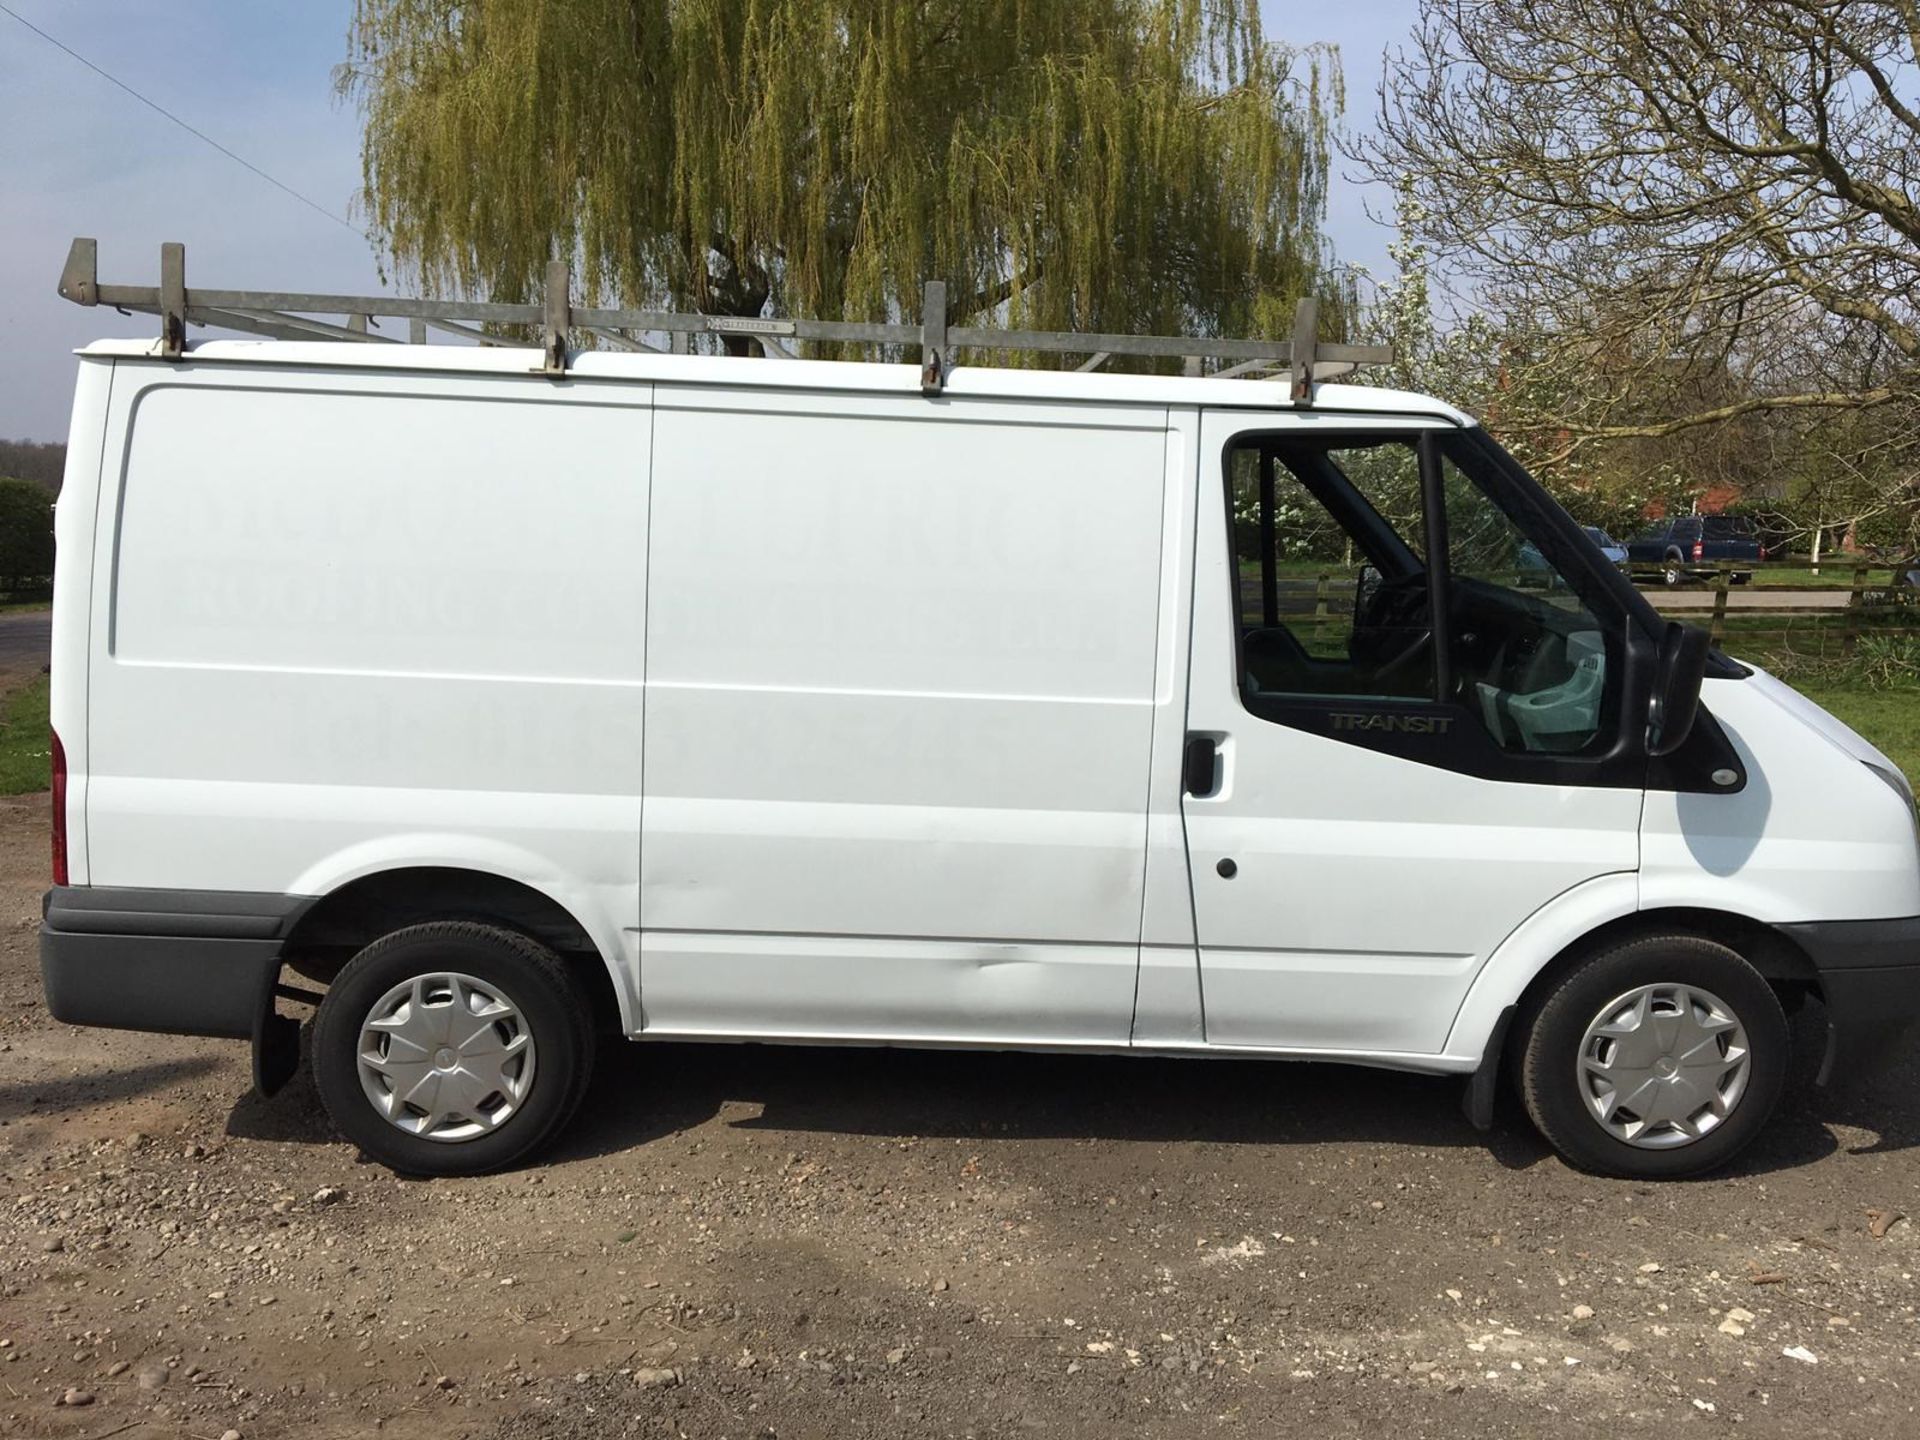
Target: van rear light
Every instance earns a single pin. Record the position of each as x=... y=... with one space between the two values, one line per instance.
x=59 y=811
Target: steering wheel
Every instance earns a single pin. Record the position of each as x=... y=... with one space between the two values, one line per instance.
x=1395 y=607
x=1418 y=649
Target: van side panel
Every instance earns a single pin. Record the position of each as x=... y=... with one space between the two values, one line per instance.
x=345 y=624
x=900 y=669
x=74 y=519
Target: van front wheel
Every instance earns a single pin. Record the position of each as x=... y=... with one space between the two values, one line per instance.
x=452 y=1048
x=1658 y=1058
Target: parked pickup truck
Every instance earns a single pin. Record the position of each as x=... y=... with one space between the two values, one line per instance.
x=1693 y=547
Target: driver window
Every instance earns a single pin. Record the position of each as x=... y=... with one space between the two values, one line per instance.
x=1330 y=540
x=1327 y=543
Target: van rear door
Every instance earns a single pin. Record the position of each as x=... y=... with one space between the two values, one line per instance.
x=1375 y=802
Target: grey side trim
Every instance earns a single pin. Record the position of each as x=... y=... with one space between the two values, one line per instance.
x=1870 y=978
x=200 y=914
x=1859 y=944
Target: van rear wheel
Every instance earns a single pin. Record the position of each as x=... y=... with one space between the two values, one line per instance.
x=452 y=1048
x=1658 y=1058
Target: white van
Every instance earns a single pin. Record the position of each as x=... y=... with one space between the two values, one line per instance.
x=711 y=698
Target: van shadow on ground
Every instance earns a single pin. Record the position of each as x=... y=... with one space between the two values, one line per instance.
x=642 y=1092
x=28 y=1099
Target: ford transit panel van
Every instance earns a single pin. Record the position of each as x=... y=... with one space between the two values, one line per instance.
x=710 y=698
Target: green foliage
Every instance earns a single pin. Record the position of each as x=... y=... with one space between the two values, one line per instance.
x=1106 y=164
x=1888 y=718
x=26 y=534
x=1889 y=662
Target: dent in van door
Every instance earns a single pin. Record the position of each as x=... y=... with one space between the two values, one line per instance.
x=900 y=670
x=1374 y=836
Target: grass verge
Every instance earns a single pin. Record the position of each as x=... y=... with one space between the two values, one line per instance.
x=26 y=757
x=1889 y=718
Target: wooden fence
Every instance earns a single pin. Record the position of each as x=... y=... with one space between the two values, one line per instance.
x=1760 y=608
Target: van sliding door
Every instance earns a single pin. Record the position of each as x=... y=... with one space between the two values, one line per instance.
x=900 y=671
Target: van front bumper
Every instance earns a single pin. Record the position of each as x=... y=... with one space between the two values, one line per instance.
x=181 y=962
x=1870 y=978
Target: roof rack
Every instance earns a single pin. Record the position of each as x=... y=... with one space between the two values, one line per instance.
x=291 y=315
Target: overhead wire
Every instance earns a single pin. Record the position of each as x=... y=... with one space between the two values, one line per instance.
x=198 y=134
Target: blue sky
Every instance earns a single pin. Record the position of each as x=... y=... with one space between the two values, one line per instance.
x=80 y=157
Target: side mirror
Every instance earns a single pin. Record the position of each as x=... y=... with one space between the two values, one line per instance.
x=1679 y=668
x=1366 y=580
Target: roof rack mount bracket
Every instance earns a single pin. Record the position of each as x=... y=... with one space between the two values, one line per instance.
x=933 y=338
x=557 y=320
x=173 y=299
x=1306 y=324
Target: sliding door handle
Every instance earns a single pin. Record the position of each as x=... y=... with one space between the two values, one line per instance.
x=1200 y=770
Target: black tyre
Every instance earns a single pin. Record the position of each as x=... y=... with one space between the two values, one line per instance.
x=1657 y=1058
x=452 y=1048
x=1673 y=571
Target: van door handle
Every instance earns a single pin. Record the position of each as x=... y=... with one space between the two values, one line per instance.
x=1200 y=769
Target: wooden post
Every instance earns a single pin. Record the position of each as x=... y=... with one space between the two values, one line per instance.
x=1320 y=612
x=1722 y=578
x=1854 y=602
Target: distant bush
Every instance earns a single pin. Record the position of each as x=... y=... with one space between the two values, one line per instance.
x=26 y=535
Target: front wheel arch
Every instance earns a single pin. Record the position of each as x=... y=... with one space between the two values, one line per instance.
x=1785 y=966
x=1618 y=1065
x=1782 y=963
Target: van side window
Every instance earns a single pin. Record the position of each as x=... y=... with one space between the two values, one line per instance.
x=1331 y=539
x=1332 y=587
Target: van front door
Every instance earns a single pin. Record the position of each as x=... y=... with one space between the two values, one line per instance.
x=1376 y=798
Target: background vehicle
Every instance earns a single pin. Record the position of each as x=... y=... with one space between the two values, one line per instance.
x=523 y=697
x=1614 y=552
x=1611 y=550
x=1694 y=546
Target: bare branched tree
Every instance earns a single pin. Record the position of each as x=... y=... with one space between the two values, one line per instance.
x=1699 y=214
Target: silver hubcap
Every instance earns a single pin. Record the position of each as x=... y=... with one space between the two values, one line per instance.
x=1663 y=1065
x=446 y=1057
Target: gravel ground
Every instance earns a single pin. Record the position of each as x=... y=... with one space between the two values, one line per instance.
x=742 y=1241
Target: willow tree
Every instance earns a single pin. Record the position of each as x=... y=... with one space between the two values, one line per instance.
x=1104 y=164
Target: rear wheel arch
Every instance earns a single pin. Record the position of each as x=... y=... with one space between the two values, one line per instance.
x=404 y=1072
x=341 y=923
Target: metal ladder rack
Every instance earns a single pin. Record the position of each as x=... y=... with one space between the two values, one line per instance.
x=290 y=315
